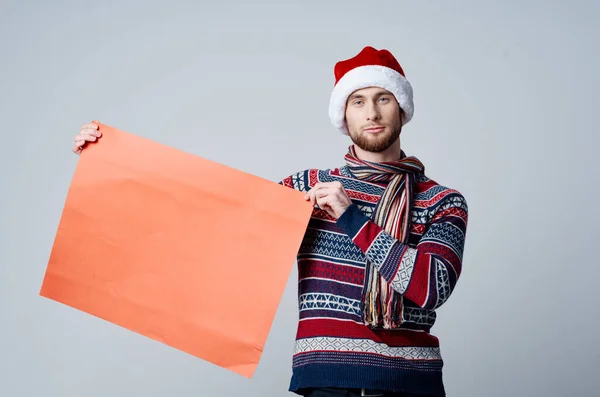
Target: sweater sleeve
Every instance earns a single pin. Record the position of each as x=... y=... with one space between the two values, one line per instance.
x=426 y=274
x=297 y=181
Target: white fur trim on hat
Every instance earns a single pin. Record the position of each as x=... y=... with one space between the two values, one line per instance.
x=369 y=76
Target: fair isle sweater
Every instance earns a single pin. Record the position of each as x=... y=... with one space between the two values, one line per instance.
x=333 y=347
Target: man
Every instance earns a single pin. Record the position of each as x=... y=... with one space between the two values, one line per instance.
x=382 y=251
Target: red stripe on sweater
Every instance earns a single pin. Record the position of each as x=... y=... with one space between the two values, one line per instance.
x=418 y=288
x=323 y=215
x=444 y=252
x=453 y=211
x=346 y=329
x=369 y=198
x=365 y=237
x=425 y=186
x=418 y=228
x=313 y=178
x=332 y=272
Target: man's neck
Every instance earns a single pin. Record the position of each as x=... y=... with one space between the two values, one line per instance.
x=392 y=153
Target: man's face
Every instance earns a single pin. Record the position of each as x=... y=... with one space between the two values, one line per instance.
x=374 y=119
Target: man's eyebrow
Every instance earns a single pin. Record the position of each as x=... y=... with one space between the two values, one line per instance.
x=378 y=93
x=356 y=96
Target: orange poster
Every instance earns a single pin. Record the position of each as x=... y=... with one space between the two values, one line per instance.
x=175 y=247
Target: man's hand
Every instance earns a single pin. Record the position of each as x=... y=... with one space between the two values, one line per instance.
x=87 y=133
x=330 y=197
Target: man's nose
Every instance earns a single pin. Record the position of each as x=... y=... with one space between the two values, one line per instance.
x=372 y=112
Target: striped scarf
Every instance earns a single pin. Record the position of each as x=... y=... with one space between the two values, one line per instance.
x=382 y=307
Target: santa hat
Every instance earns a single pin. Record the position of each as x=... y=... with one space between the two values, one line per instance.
x=369 y=68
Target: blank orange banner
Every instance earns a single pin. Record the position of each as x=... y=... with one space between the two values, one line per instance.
x=175 y=247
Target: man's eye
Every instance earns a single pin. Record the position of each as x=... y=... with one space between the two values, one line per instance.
x=384 y=99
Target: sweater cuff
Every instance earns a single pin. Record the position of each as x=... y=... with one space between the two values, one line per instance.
x=352 y=220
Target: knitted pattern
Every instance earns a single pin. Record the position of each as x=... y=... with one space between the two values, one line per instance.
x=333 y=347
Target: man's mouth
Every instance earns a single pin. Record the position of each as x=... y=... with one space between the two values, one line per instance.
x=374 y=130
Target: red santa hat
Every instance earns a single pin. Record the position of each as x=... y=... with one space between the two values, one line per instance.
x=369 y=68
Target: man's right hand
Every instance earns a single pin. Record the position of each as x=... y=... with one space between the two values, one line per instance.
x=87 y=133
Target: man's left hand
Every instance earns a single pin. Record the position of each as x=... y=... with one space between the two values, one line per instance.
x=330 y=197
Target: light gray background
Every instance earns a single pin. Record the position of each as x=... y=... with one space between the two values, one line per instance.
x=506 y=98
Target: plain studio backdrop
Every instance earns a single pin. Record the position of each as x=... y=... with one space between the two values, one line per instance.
x=506 y=97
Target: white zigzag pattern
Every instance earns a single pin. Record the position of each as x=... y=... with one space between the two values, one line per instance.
x=446 y=234
x=330 y=244
x=351 y=184
x=319 y=301
x=430 y=193
x=402 y=278
x=365 y=346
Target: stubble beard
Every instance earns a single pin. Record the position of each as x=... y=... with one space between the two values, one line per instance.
x=377 y=143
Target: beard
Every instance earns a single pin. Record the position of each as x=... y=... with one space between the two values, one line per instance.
x=376 y=143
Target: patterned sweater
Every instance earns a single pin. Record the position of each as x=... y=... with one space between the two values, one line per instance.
x=333 y=348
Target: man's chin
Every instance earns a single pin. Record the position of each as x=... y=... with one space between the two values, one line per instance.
x=374 y=143
x=373 y=147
